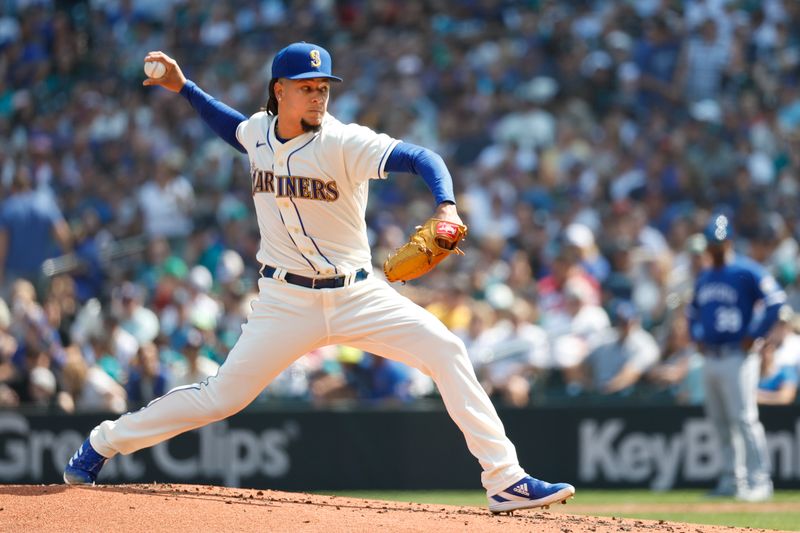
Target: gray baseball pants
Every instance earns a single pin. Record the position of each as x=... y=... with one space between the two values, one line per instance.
x=731 y=381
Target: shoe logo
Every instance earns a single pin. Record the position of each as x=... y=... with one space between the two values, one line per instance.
x=522 y=489
x=259 y=144
x=75 y=457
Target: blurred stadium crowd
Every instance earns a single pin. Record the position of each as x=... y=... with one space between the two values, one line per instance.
x=589 y=142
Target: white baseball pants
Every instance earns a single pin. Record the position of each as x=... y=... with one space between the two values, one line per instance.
x=288 y=321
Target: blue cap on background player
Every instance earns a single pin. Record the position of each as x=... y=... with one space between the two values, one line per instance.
x=719 y=230
x=302 y=61
x=623 y=311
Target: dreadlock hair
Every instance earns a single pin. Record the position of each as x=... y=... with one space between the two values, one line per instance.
x=272 y=104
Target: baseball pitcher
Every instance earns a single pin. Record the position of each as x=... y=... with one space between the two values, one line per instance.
x=310 y=175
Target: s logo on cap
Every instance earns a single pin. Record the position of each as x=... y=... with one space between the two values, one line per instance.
x=302 y=61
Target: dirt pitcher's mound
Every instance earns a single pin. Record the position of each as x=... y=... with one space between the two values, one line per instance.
x=172 y=508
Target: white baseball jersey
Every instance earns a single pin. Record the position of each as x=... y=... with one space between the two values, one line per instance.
x=310 y=193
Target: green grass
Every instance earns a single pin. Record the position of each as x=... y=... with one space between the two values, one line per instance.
x=782 y=513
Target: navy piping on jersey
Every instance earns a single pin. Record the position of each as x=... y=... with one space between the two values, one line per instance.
x=385 y=153
x=295 y=244
x=289 y=170
x=195 y=386
x=303 y=227
x=269 y=143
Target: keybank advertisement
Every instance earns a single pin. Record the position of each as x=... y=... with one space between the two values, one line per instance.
x=660 y=448
x=610 y=453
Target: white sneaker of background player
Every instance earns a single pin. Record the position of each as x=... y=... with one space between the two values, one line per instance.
x=760 y=493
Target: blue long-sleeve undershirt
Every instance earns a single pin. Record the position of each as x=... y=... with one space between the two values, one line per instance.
x=407 y=157
x=769 y=319
x=220 y=117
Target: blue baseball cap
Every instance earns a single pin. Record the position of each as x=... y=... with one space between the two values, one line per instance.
x=302 y=61
x=719 y=230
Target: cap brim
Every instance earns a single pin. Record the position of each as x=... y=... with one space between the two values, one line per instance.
x=312 y=75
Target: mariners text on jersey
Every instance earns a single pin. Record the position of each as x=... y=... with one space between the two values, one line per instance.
x=294 y=186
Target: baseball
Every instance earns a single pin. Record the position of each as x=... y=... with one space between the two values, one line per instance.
x=154 y=69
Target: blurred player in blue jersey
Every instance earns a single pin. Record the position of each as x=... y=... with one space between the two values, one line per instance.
x=735 y=304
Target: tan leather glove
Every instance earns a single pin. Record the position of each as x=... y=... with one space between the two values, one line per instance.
x=430 y=244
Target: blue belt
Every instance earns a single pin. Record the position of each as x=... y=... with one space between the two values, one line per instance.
x=315 y=283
